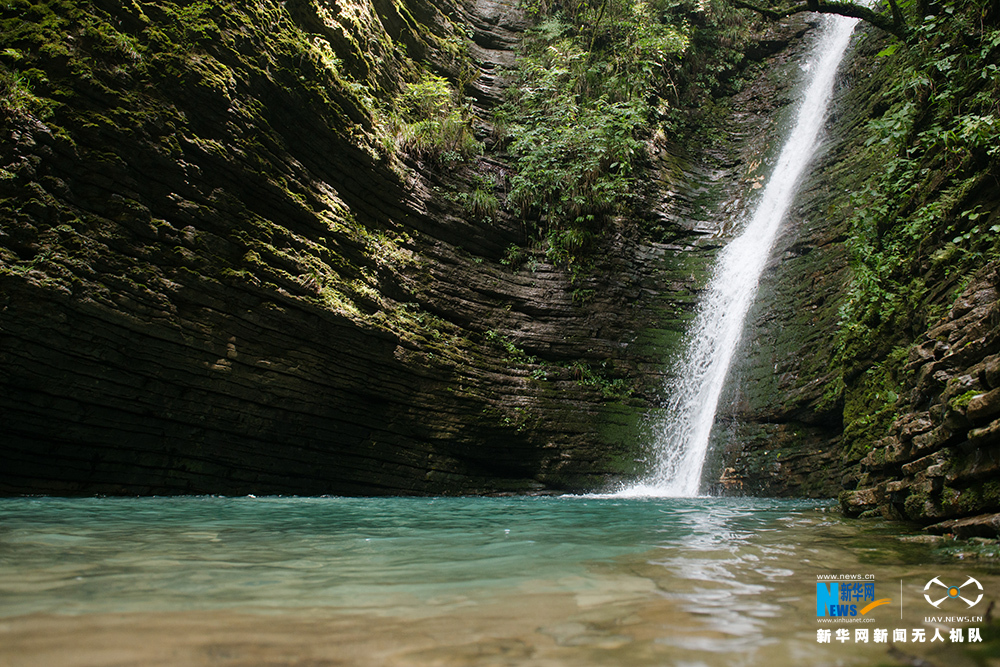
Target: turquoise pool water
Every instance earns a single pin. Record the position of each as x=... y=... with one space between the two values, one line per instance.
x=445 y=581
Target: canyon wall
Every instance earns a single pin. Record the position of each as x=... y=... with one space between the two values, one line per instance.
x=219 y=272
x=216 y=277
x=869 y=365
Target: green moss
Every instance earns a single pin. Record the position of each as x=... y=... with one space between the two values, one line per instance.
x=618 y=427
x=960 y=403
x=833 y=395
x=870 y=405
x=977 y=498
x=916 y=504
x=879 y=456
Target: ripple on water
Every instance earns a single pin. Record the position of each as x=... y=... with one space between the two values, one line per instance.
x=460 y=581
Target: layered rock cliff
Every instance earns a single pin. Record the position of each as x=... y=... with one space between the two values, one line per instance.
x=867 y=367
x=940 y=459
x=216 y=280
x=221 y=271
x=217 y=277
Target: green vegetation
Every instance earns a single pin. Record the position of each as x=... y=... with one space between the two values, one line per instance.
x=960 y=403
x=594 y=84
x=611 y=388
x=479 y=196
x=922 y=220
x=574 y=134
x=927 y=217
x=428 y=120
x=17 y=95
x=870 y=407
x=511 y=352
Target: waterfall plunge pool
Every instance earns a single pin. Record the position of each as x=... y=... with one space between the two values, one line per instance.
x=568 y=581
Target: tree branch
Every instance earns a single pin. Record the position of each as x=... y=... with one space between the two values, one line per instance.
x=897 y=14
x=893 y=26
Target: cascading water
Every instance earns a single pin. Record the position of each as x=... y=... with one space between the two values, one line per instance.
x=682 y=440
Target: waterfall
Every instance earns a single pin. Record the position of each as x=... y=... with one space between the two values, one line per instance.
x=682 y=439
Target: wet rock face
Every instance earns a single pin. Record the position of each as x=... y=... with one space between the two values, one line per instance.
x=776 y=433
x=811 y=413
x=940 y=461
x=214 y=280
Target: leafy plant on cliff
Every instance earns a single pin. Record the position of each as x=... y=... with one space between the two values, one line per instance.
x=585 y=86
x=611 y=388
x=928 y=216
x=930 y=213
x=428 y=120
x=17 y=95
x=595 y=84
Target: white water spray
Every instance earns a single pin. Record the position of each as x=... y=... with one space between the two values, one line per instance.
x=682 y=442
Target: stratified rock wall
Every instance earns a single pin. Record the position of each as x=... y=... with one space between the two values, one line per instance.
x=893 y=410
x=940 y=461
x=215 y=278
x=218 y=273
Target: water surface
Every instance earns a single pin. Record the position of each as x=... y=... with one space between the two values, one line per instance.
x=443 y=581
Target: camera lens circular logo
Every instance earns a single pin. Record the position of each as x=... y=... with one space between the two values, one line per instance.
x=953 y=592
